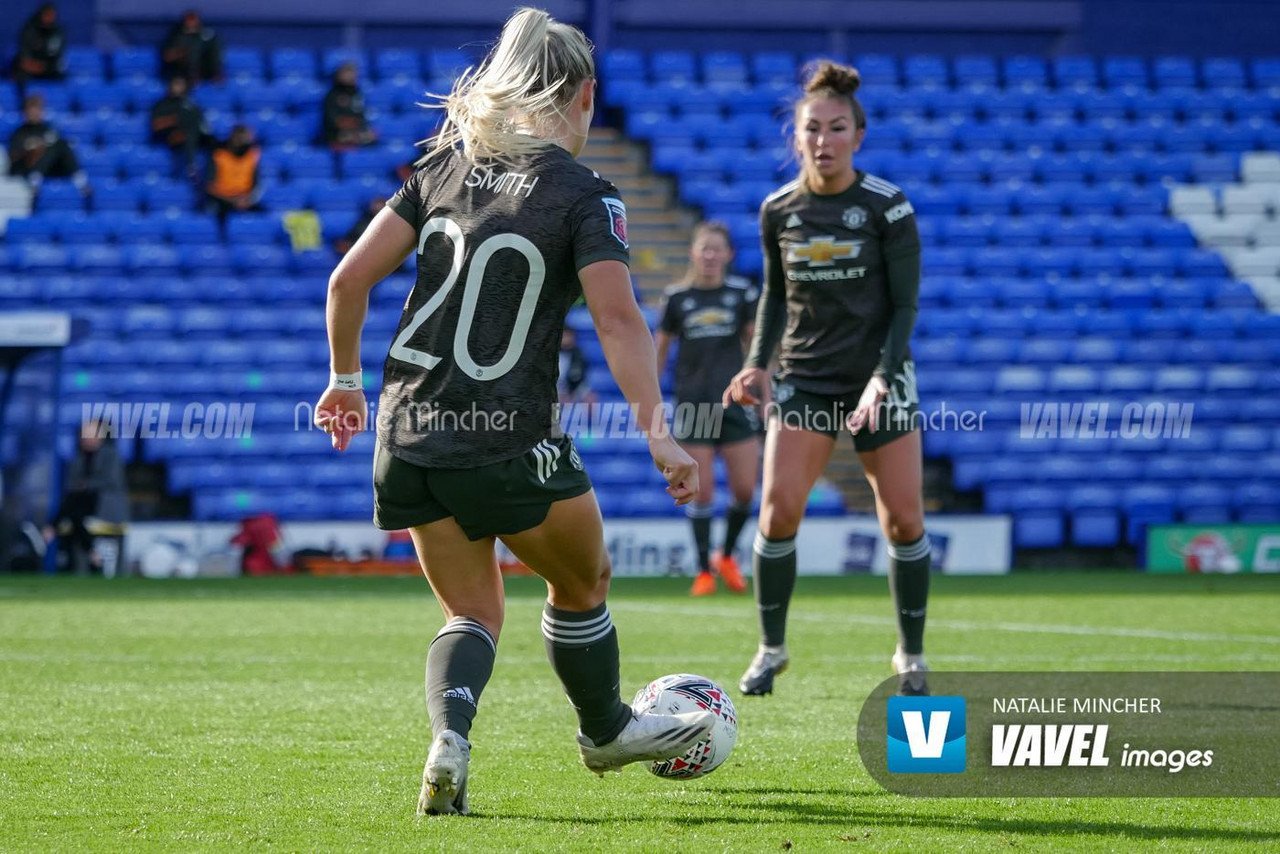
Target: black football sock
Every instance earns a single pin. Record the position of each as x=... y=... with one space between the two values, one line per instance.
x=700 y=518
x=583 y=648
x=909 y=586
x=734 y=521
x=459 y=664
x=774 y=564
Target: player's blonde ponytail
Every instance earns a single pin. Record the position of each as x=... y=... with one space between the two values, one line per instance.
x=501 y=109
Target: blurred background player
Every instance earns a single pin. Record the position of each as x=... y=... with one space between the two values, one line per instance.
x=711 y=316
x=38 y=151
x=345 y=125
x=546 y=232
x=191 y=51
x=842 y=277
x=41 y=46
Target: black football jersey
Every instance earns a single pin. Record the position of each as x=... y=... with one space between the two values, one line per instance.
x=471 y=375
x=828 y=253
x=708 y=324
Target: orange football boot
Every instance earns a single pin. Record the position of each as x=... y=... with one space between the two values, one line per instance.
x=703 y=585
x=730 y=574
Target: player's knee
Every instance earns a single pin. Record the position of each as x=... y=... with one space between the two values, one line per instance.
x=780 y=517
x=904 y=525
x=585 y=591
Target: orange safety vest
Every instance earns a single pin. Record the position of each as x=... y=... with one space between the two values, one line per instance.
x=233 y=176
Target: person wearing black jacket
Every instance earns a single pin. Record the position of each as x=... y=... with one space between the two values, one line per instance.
x=345 y=124
x=191 y=50
x=178 y=123
x=40 y=48
x=37 y=151
x=95 y=504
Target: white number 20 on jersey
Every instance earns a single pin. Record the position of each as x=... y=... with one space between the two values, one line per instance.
x=470 y=297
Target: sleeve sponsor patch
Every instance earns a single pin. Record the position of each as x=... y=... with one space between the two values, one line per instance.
x=899 y=211
x=617 y=219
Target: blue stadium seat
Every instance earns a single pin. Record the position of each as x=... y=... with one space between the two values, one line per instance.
x=1205 y=503
x=1145 y=505
x=331 y=58
x=672 y=66
x=397 y=64
x=207 y=259
x=773 y=67
x=40 y=258
x=84 y=64
x=152 y=260
x=103 y=259
x=292 y=62
x=1245 y=439
x=35 y=229
x=260 y=258
x=1223 y=73
x=59 y=196
x=724 y=68
x=135 y=62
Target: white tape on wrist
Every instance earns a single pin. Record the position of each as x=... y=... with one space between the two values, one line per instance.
x=347 y=382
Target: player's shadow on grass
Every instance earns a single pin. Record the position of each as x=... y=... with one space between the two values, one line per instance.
x=835 y=815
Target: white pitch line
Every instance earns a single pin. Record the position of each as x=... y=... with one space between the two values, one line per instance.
x=622 y=606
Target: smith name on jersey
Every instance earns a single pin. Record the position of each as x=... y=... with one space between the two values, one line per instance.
x=471 y=375
x=829 y=253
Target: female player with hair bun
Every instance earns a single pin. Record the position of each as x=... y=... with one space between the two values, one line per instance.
x=838 y=303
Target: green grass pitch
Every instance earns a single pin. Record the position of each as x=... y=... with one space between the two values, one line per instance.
x=287 y=714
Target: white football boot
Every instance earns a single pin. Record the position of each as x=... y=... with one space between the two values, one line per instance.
x=911 y=671
x=647 y=738
x=769 y=662
x=444 y=778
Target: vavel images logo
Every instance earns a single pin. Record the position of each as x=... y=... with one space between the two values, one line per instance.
x=926 y=735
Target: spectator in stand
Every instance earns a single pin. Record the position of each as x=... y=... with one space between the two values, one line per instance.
x=191 y=51
x=572 y=385
x=345 y=124
x=233 y=183
x=94 y=510
x=346 y=241
x=37 y=151
x=40 y=47
x=178 y=123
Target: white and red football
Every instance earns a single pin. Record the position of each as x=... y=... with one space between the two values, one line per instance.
x=684 y=692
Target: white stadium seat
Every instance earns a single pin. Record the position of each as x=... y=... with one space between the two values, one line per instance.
x=1225 y=231
x=1261 y=167
x=1192 y=200
x=1247 y=199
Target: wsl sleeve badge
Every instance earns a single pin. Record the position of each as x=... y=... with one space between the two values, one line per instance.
x=617 y=219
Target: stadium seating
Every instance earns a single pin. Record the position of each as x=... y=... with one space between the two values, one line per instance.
x=1094 y=229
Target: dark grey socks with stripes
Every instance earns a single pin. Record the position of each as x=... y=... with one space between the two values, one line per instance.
x=734 y=521
x=583 y=648
x=773 y=563
x=909 y=586
x=700 y=518
x=459 y=664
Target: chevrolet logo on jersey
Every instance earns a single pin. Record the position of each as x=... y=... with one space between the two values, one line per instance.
x=823 y=251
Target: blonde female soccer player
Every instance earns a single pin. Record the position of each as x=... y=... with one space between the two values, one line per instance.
x=509 y=231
